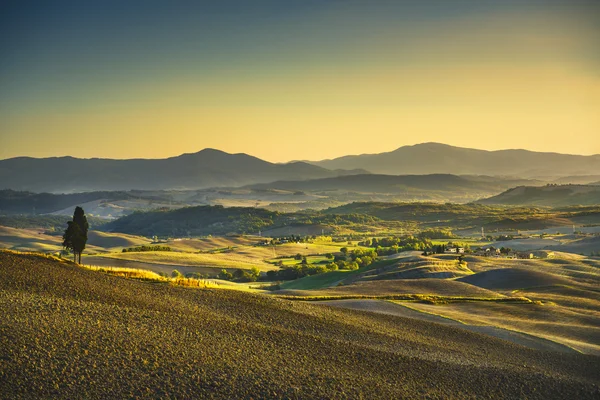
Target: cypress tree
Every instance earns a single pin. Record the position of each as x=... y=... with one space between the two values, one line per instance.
x=76 y=234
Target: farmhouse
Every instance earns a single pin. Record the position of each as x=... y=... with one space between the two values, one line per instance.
x=524 y=255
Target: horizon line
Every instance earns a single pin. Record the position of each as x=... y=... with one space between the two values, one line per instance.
x=298 y=160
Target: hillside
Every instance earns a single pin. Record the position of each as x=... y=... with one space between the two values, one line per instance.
x=68 y=332
x=431 y=158
x=219 y=220
x=473 y=215
x=23 y=202
x=354 y=217
x=578 y=180
x=549 y=195
x=288 y=195
x=206 y=168
x=445 y=186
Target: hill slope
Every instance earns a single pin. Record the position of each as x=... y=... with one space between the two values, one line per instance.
x=431 y=158
x=68 y=332
x=395 y=184
x=207 y=168
x=551 y=195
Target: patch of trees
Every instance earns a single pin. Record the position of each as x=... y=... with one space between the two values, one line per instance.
x=240 y=275
x=418 y=211
x=436 y=234
x=218 y=220
x=296 y=271
x=333 y=219
x=195 y=221
x=394 y=244
x=146 y=248
x=350 y=260
x=501 y=238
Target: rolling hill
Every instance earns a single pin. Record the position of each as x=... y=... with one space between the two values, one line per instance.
x=68 y=332
x=445 y=186
x=431 y=158
x=206 y=168
x=578 y=180
x=22 y=202
x=549 y=195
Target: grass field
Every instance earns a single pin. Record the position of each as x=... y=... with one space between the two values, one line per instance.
x=68 y=332
x=35 y=239
x=236 y=253
x=211 y=243
x=293 y=261
x=204 y=255
x=233 y=260
x=329 y=279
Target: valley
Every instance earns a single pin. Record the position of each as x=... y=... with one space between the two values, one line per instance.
x=421 y=279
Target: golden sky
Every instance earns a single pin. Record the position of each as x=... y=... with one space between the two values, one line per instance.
x=314 y=83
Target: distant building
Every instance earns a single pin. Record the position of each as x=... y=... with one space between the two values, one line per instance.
x=524 y=255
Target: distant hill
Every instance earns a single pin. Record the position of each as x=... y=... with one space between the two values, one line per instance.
x=375 y=183
x=202 y=220
x=472 y=215
x=578 y=180
x=18 y=202
x=431 y=158
x=550 y=195
x=207 y=168
x=219 y=220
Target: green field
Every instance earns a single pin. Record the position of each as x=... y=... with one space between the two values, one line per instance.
x=293 y=261
x=225 y=260
x=328 y=279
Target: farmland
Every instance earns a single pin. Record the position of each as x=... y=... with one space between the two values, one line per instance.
x=221 y=343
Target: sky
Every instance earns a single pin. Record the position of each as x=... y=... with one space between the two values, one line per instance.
x=297 y=79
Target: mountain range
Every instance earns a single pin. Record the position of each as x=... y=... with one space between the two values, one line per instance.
x=215 y=168
x=432 y=158
x=206 y=168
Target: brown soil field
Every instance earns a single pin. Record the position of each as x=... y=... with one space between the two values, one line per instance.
x=442 y=287
x=68 y=332
x=513 y=278
x=403 y=310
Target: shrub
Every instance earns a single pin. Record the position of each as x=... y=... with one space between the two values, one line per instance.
x=176 y=274
x=146 y=248
x=225 y=275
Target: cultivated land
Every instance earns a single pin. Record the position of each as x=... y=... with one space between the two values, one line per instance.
x=70 y=332
x=202 y=255
x=553 y=300
x=405 y=325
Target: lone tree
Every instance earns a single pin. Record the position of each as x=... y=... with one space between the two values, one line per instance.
x=76 y=234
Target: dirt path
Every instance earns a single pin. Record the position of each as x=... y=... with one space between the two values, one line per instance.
x=386 y=307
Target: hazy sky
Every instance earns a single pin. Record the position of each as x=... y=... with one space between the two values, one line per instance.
x=305 y=79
